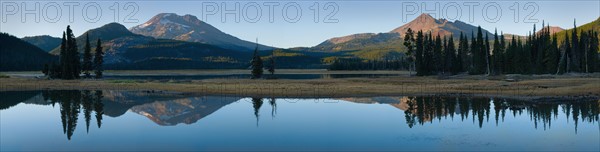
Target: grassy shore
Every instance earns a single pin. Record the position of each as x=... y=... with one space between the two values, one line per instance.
x=512 y=86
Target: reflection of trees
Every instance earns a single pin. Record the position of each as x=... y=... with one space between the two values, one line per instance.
x=257 y=103
x=425 y=109
x=273 y=104
x=71 y=102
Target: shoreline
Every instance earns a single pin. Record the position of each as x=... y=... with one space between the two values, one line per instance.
x=537 y=87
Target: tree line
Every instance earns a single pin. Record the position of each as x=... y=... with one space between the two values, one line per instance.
x=71 y=64
x=361 y=64
x=539 y=53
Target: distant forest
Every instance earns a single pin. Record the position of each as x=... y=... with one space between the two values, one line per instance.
x=538 y=53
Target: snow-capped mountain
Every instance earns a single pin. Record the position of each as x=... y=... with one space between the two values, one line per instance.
x=190 y=28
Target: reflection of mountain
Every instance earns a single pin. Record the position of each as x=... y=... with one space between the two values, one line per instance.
x=119 y=102
x=186 y=110
x=12 y=98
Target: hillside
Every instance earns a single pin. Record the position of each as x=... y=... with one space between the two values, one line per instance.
x=18 y=55
x=594 y=25
x=44 y=42
x=106 y=33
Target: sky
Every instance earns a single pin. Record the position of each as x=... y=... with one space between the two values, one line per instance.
x=292 y=23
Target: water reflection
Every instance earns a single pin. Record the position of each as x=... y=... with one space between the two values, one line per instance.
x=71 y=103
x=169 y=109
x=422 y=110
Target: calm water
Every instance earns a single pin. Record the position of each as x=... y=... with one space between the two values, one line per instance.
x=114 y=120
x=246 y=76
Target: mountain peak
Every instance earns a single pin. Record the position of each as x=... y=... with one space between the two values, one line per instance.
x=114 y=26
x=553 y=29
x=109 y=31
x=190 y=28
x=425 y=16
x=442 y=27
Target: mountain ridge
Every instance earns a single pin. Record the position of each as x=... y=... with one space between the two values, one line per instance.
x=190 y=28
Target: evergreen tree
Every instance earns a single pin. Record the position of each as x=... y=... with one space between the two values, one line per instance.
x=510 y=57
x=98 y=60
x=454 y=63
x=437 y=55
x=272 y=64
x=428 y=54
x=462 y=53
x=63 y=57
x=552 y=57
x=474 y=53
x=419 y=51
x=526 y=54
x=409 y=43
x=563 y=66
x=46 y=69
x=71 y=65
x=87 y=57
x=593 y=57
x=575 y=55
x=487 y=54
x=257 y=65
x=496 y=55
x=502 y=58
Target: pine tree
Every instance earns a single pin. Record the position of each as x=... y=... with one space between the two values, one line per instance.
x=502 y=52
x=419 y=51
x=98 y=60
x=409 y=43
x=257 y=65
x=272 y=64
x=446 y=60
x=474 y=51
x=526 y=54
x=497 y=55
x=454 y=63
x=87 y=57
x=510 y=57
x=428 y=54
x=575 y=57
x=462 y=54
x=437 y=64
x=593 y=57
x=63 y=57
x=552 y=57
x=563 y=66
x=479 y=54
x=487 y=54
x=46 y=69
x=71 y=64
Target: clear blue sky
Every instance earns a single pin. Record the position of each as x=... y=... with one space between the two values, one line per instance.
x=354 y=16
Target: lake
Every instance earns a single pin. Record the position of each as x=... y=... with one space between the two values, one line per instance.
x=246 y=76
x=136 y=120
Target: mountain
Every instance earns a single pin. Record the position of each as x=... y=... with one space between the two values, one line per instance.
x=553 y=29
x=443 y=27
x=18 y=55
x=190 y=28
x=126 y=50
x=44 y=42
x=105 y=33
x=391 y=42
x=358 y=41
